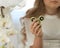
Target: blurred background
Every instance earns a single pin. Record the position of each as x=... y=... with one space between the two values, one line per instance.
x=10 y=37
x=19 y=11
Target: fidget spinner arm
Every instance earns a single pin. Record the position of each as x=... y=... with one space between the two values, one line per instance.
x=40 y=18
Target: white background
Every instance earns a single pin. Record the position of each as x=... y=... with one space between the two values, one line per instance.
x=20 y=12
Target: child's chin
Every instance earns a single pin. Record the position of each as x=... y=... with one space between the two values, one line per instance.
x=54 y=6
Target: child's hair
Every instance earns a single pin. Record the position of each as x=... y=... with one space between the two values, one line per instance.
x=38 y=9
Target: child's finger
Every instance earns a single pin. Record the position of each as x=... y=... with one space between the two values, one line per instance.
x=37 y=28
x=35 y=25
x=34 y=22
x=39 y=33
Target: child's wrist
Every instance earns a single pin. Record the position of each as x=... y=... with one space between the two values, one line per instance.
x=39 y=36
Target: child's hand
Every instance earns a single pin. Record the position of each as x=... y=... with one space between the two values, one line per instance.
x=36 y=28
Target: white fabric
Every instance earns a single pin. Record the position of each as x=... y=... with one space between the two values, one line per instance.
x=51 y=31
x=9 y=3
x=7 y=28
x=51 y=27
x=6 y=25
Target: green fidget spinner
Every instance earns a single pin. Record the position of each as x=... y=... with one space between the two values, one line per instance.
x=40 y=18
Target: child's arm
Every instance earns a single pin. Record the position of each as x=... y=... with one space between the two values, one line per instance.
x=37 y=31
x=38 y=43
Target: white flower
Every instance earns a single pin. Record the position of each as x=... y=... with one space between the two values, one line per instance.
x=4 y=39
x=8 y=3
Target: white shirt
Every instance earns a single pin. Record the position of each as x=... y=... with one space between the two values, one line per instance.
x=51 y=32
x=51 y=27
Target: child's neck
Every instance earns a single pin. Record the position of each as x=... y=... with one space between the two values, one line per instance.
x=51 y=11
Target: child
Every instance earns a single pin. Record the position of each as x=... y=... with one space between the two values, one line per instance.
x=45 y=34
